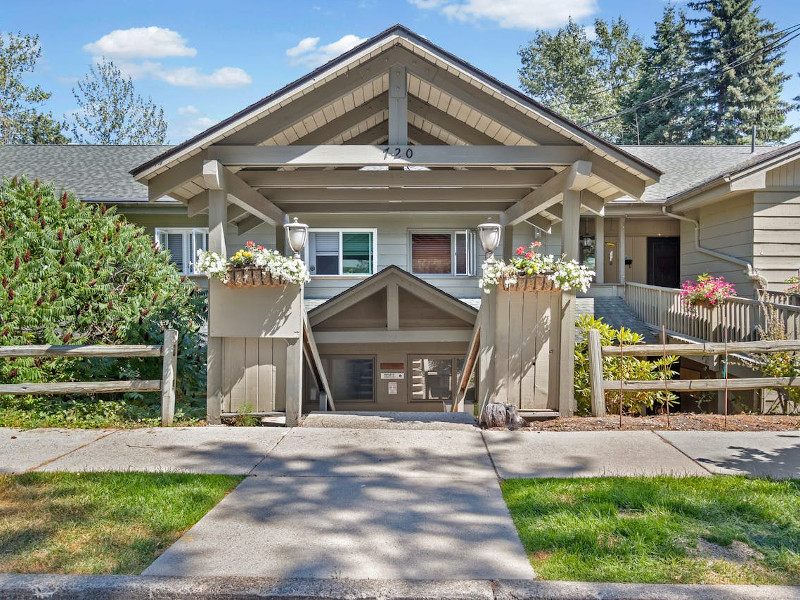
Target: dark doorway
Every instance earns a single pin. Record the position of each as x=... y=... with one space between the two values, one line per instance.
x=663 y=261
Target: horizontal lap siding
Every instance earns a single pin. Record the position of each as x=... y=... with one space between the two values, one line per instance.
x=777 y=228
x=726 y=227
x=393 y=232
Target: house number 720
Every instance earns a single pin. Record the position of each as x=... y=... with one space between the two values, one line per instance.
x=392 y=153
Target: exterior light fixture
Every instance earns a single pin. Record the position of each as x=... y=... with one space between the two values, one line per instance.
x=296 y=233
x=489 y=234
x=586 y=240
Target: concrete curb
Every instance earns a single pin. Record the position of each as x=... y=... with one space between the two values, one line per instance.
x=107 y=587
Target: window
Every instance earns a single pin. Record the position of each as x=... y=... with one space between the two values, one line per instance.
x=436 y=378
x=443 y=253
x=341 y=252
x=182 y=245
x=352 y=379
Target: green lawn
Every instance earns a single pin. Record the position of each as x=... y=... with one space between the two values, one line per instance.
x=659 y=530
x=99 y=522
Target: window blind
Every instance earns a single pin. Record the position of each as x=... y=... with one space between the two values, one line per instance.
x=431 y=253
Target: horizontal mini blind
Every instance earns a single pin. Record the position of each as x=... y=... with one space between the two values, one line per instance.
x=326 y=242
x=174 y=243
x=431 y=253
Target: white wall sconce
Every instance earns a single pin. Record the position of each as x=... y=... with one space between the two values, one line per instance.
x=489 y=234
x=297 y=234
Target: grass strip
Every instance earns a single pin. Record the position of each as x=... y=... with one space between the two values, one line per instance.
x=659 y=530
x=99 y=523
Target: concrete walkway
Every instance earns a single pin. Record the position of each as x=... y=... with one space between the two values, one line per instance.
x=379 y=503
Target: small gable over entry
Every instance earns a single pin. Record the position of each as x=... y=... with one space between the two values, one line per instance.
x=392 y=306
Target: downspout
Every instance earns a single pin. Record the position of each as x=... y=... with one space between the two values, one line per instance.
x=759 y=282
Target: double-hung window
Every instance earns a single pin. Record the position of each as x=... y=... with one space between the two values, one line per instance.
x=443 y=253
x=182 y=243
x=341 y=251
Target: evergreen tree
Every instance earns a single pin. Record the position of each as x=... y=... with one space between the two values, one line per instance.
x=666 y=67
x=20 y=120
x=581 y=78
x=111 y=112
x=740 y=81
x=72 y=273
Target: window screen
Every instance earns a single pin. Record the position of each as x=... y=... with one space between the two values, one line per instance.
x=182 y=245
x=353 y=379
x=431 y=253
x=325 y=253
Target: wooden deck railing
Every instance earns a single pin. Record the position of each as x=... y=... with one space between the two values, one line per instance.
x=470 y=362
x=740 y=317
x=314 y=362
x=599 y=385
x=166 y=385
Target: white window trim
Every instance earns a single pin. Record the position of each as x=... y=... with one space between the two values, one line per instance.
x=340 y=231
x=472 y=260
x=188 y=233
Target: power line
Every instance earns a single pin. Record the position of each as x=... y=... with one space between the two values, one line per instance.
x=782 y=41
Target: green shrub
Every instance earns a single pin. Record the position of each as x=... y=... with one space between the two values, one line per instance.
x=73 y=273
x=627 y=367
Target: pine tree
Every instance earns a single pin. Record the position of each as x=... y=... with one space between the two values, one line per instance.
x=667 y=66
x=739 y=74
x=583 y=79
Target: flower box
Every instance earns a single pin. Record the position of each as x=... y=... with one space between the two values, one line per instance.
x=251 y=277
x=540 y=282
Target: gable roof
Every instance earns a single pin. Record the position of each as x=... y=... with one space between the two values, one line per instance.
x=685 y=167
x=90 y=172
x=378 y=281
x=398 y=35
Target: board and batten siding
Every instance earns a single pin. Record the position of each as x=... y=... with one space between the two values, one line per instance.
x=726 y=227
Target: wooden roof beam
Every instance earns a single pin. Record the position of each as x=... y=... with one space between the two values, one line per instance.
x=344 y=123
x=287 y=195
x=577 y=177
x=217 y=177
x=540 y=222
x=449 y=123
x=198 y=205
x=360 y=178
x=418 y=136
x=592 y=202
x=431 y=156
x=371 y=136
x=165 y=183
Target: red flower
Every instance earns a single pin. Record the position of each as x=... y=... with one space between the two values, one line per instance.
x=520 y=250
x=529 y=255
x=250 y=244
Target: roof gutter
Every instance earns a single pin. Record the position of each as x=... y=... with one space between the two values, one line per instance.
x=759 y=282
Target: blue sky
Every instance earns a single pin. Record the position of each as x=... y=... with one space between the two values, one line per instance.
x=203 y=61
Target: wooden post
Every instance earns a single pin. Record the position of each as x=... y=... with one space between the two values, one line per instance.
x=294 y=381
x=214 y=381
x=621 y=251
x=217 y=221
x=323 y=401
x=168 y=373
x=596 y=374
x=566 y=386
x=600 y=249
x=281 y=243
x=486 y=355
x=570 y=226
x=398 y=106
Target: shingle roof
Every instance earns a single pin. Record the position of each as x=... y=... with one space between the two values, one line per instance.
x=685 y=167
x=90 y=172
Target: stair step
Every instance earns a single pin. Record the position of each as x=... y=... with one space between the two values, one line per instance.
x=537 y=414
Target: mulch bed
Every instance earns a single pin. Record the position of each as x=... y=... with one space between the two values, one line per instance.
x=678 y=422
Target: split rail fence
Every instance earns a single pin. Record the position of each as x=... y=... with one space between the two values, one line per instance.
x=600 y=386
x=166 y=385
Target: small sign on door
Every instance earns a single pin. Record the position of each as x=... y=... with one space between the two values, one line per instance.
x=392 y=388
x=393 y=375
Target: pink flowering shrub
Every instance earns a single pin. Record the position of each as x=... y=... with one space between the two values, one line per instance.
x=707 y=291
x=794 y=288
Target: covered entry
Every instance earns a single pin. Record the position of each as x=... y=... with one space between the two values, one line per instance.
x=393 y=342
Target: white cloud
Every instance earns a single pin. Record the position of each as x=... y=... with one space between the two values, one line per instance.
x=189 y=121
x=188 y=110
x=141 y=42
x=308 y=53
x=225 y=77
x=512 y=14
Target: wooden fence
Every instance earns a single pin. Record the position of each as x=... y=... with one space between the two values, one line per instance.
x=166 y=385
x=739 y=317
x=599 y=385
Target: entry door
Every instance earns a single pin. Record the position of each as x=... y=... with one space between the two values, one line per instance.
x=664 y=261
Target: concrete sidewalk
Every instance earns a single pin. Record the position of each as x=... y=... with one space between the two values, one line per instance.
x=379 y=503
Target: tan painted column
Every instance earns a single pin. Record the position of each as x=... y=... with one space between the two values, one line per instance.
x=566 y=386
x=217 y=220
x=600 y=249
x=570 y=226
x=398 y=106
x=621 y=251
